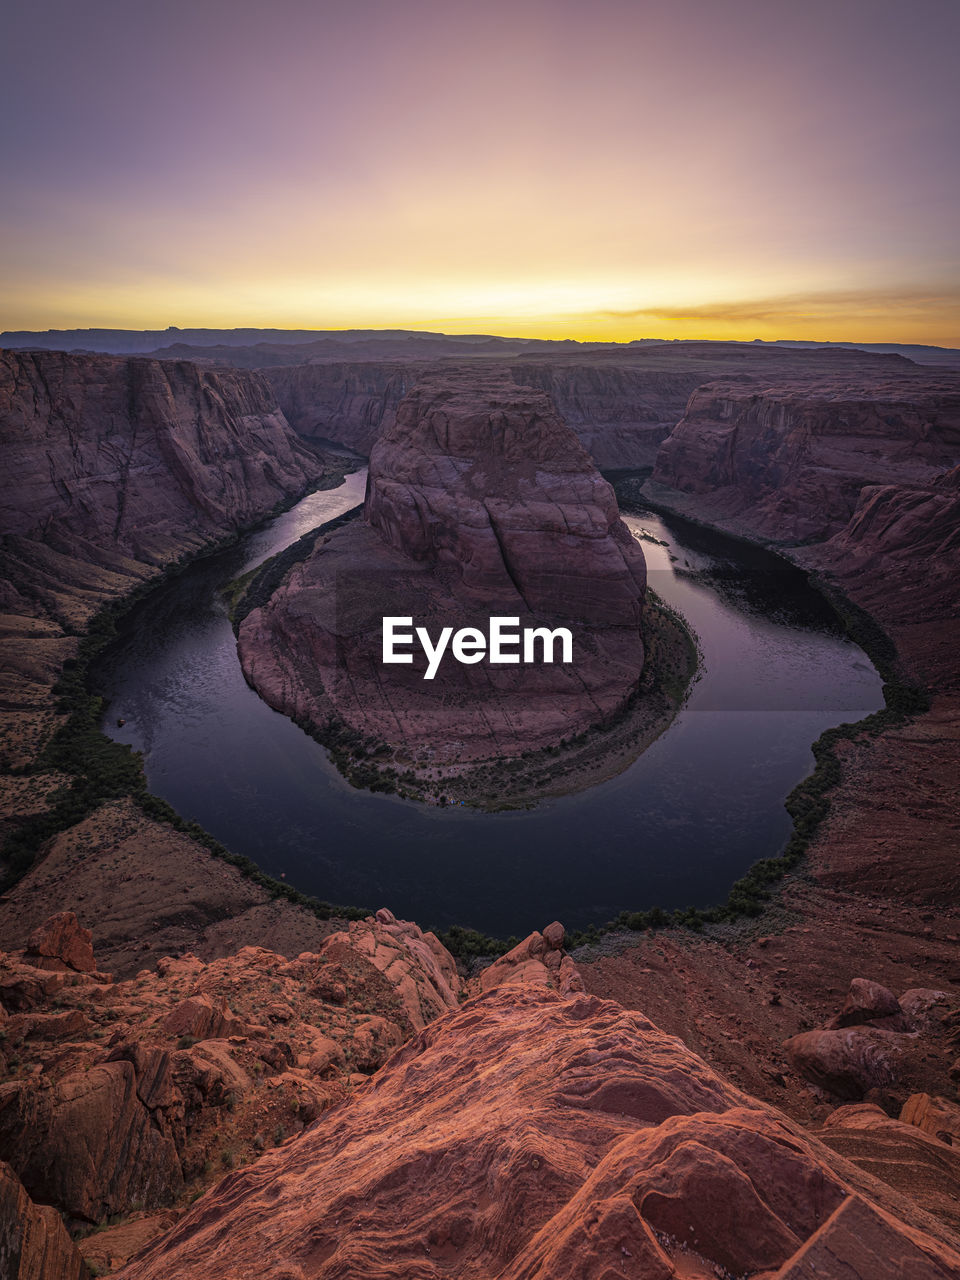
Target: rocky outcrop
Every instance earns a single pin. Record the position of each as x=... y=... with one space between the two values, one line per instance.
x=136 y=1093
x=34 y=1244
x=788 y=461
x=62 y=943
x=481 y=503
x=587 y=1144
x=416 y=964
x=538 y=959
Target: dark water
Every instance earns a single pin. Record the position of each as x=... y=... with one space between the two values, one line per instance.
x=676 y=828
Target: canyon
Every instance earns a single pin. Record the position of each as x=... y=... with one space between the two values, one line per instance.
x=775 y=1096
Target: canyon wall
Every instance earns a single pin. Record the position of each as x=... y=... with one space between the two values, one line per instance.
x=622 y=403
x=350 y=402
x=115 y=468
x=787 y=461
x=621 y=411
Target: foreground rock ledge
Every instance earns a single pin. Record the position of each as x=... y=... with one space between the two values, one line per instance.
x=531 y=1135
x=481 y=502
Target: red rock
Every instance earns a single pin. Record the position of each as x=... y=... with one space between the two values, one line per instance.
x=199 y=1018
x=326 y=1053
x=420 y=969
x=588 y=1145
x=34 y=1244
x=109 y=1248
x=537 y=961
x=922 y=1006
x=848 y=1062
x=788 y=460
x=373 y=1042
x=62 y=943
x=936 y=1116
x=867 y=1001
x=553 y=935
x=88 y=1144
x=481 y=502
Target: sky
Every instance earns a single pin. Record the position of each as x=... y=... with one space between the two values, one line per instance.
x=608 y=169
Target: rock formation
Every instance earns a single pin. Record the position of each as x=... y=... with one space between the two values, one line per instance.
x=343 y=401
x=34 y=1244
x=480 y=503
x=114 y=468
x=528 y=1134
x=788 y=461
x=139 y=1090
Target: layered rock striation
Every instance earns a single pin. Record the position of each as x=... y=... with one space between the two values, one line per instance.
x=481 y=503
x=787 y=460
x=116 y=467
x=530 y=1134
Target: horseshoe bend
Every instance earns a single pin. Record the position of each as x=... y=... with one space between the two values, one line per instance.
x=203 y=1073
x=481 y=504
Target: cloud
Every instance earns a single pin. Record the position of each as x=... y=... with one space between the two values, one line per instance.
x=914 y=303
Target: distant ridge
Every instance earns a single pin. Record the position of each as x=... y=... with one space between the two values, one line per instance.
x=174 y=343
x=155 y=341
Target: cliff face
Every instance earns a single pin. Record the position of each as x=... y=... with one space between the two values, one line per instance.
x=788 y=461
x=622 y=403
x=483 y=476
x=531 y=1135
x=863 y=476
x=621 y=412
x=114 y=468
x=139 y=455
x=347 y=402
x=480 y=503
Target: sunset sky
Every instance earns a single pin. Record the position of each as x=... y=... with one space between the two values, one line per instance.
x=605 y=169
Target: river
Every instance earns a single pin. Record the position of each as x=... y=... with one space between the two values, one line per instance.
x=675 y=828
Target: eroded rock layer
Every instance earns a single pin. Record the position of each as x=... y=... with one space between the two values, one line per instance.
x=787 y=459
x=533 y=1135
x=481 y=503
x=116 y=467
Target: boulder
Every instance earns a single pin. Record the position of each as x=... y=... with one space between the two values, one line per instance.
x=867 y=1001
x=326 y=1054
x=848 y=1062
x=936 y=1116
x=61 y=943
x=198 y=1018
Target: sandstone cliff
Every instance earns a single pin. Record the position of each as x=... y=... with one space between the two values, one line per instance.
x=114 y=469
x=481 y=502
x=621 y=402
x=347 y=402
x=787 y=460
x=855 y=479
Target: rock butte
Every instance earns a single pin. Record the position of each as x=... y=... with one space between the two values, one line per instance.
x=480 y=503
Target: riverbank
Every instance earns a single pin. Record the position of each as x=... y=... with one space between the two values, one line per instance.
x=876 y=894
